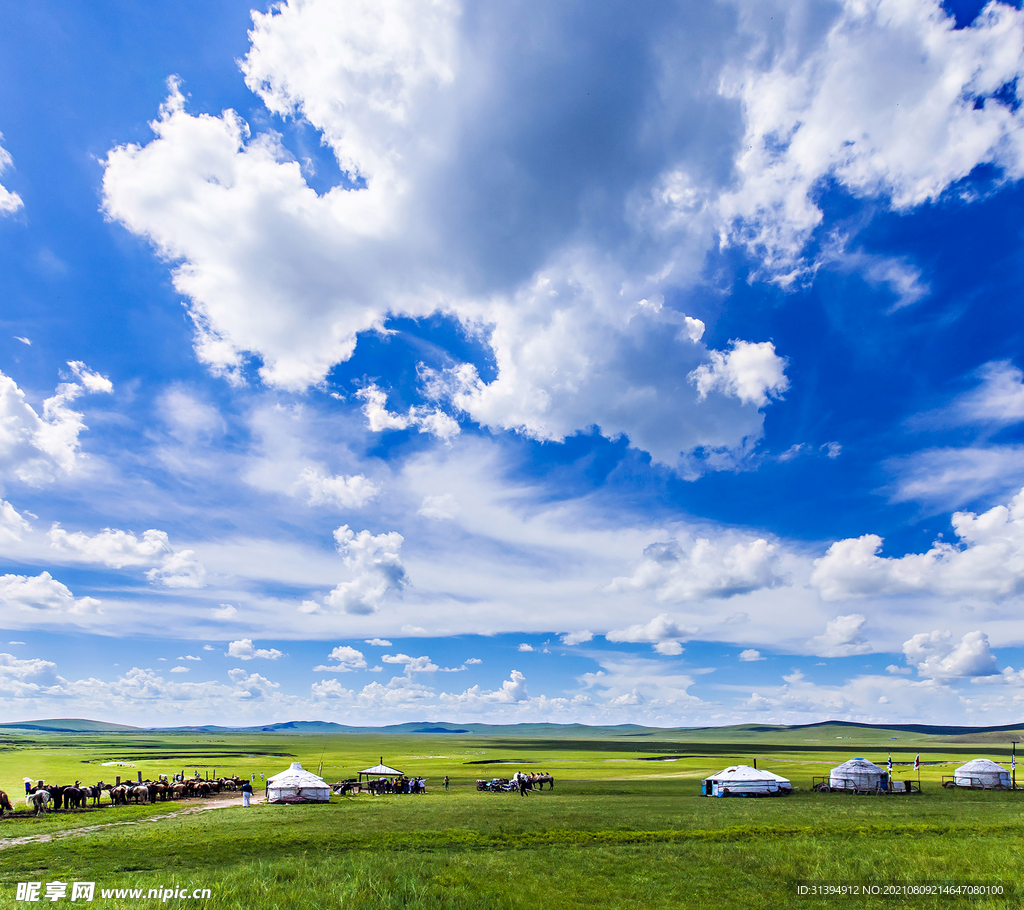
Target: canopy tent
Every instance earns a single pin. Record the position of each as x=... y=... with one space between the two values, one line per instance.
x=742 y=780
x=858 y=774
x=380 y=770
x=296 y=785
x=982 y=774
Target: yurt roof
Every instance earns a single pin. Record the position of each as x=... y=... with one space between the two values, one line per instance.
x=859 y=764
x=981 y=766
x=745 y=772
x=382 y=771
x=296 y=776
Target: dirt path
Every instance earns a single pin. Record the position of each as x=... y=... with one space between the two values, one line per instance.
x=221 y=803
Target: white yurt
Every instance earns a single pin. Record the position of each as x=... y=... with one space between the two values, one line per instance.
x=742 y=780
x=858 y=774
x=982 y=774
x=297 y=785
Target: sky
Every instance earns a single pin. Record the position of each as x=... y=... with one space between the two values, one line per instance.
x=512 y=362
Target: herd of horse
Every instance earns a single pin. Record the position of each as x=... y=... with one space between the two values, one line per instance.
x=75 y=796
x=519 y=782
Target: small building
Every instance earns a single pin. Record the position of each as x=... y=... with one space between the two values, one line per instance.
x=742 y=780
x=379 y=771
x=982 y=774
x=296 y=785
x=858 y=774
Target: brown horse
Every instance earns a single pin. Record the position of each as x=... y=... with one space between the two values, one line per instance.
x=5 y=803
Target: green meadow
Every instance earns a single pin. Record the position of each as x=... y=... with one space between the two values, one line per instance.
x=625 y=825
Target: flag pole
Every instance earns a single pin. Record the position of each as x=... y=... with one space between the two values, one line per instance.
x=1013 y=765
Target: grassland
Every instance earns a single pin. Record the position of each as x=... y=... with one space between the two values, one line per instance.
x=624 y=827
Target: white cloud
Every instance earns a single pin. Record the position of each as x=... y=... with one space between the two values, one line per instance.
x=890 y=102
x=573 y=323
x=117 y=549
x=577 y=638
x=412 y=664
x=946 y=478
x=344 y=491
x=179 y=669
x=662 y=632
x=678 y=572
x=243 y=649
x=897 y=670
x=9 y=202
x=12 y=525
x=378 y=642
x=750 y=654
x=937 y=656
x=439 y=508
x=526 y=647
x=988 y=562
x=189 y=657
x=376 y=565
x=43 y=592
x=754 y=373
x=998 y=399
x=424 y=419
x=472 y=661
x=187 y=417
x=347 y=658
x=841 y=638
x=37 y=449
x=225 y=611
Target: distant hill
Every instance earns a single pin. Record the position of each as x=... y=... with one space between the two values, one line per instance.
x=735 y=733
x=71 y=725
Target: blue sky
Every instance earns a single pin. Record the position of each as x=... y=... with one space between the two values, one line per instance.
x=392 y=361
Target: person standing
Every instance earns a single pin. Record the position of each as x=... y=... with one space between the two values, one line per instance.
x=246 y=794
x=446 y=783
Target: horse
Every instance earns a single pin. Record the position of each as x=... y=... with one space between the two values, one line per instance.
x=5 y=803
x=37 y=800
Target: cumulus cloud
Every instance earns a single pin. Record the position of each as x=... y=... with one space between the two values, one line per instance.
x=412 y=665
x=889 y=100
x=841 y=638
x=9 y=202
x=424 y=419
x=379 y=642
x=225 y=611
x=347 y=659
x=377 y=568
x=936 y=655
x=526 y=647
x=662 y=632
x=12 y=524
x=39 y=449
x=987 y=562
x=574 y=318
x=243 y=649
x=752 y=372
x=117 y=549
x=577 y=638
x=750 y=654
x=678 y=572
x=513 y=691
x=45 y=594
x=344 y=491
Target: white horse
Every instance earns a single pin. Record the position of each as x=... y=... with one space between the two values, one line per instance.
x=37 y=801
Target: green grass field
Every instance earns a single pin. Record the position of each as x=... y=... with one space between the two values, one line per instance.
x=619 y=829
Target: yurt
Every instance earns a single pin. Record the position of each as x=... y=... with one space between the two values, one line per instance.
x=982 y=774
x=858 y=774
x=742 y=780
x=297 y=785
